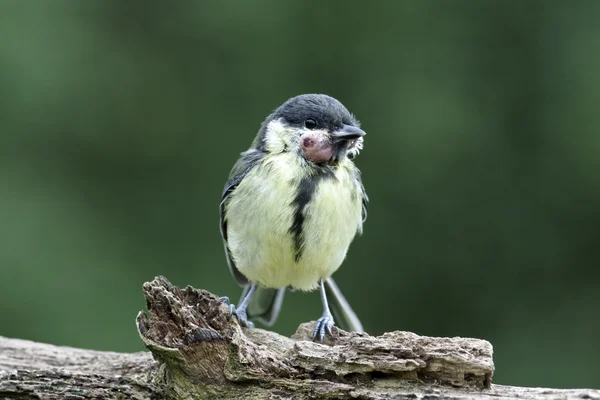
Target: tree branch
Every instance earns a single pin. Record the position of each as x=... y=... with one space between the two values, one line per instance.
x=201 y=353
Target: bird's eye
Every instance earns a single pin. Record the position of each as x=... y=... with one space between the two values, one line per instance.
x=310 y=123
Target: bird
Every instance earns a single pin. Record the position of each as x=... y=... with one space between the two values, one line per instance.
x=293 y=203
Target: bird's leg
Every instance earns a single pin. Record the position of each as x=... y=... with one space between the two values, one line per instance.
x=240 y=311
x=326 y=321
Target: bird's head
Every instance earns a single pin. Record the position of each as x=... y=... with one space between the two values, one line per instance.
x=314 y=126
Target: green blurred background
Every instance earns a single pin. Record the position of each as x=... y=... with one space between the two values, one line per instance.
x=120 y=121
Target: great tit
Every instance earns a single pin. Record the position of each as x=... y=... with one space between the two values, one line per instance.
x=291 y=206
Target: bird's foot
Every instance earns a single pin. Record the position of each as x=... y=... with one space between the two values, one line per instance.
x=240 y=313
x=325 y=323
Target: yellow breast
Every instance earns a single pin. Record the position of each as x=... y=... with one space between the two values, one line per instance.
x=262 y=222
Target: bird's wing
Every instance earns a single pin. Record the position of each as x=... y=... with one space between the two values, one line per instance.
x=365 y=200
x=245 y=163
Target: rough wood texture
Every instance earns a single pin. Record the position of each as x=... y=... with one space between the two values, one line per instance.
x=201 y=353
x=31 y=370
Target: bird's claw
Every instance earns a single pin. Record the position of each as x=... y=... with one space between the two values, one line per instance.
x=324 y=323
x=240 y=314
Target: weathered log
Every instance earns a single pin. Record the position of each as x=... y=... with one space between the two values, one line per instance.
x=199 y=352
x=30 y=370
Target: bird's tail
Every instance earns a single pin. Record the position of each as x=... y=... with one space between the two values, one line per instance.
x=266 y=304
x=343 y=315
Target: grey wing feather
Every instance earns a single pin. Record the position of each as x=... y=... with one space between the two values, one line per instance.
x=365 y=200
x=244 y=164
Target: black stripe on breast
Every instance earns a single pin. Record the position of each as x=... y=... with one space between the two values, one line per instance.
x=306 y=190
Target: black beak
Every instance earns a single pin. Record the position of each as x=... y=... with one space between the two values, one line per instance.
x=348 y=132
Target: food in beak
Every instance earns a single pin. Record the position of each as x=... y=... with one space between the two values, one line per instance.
x=316 y=147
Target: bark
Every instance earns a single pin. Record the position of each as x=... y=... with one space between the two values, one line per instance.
x=198 y=352
x=30 y=370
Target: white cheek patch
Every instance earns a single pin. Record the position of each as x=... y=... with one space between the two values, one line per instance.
x=278 y=137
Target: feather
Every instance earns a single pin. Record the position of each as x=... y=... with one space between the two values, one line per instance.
x=244 y=164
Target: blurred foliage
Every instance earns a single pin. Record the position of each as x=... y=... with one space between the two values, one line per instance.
x=120 y=121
